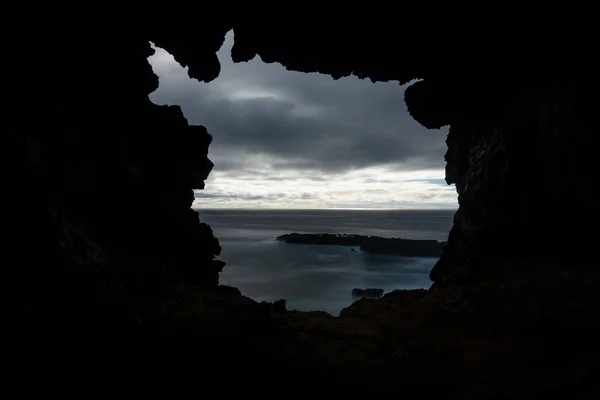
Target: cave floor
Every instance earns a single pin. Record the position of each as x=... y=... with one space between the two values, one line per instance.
x=528 y=333
x=525 y=332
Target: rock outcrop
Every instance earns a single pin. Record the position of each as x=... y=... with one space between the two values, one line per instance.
x=369 y=244
x=369 y=292
x=324 y=239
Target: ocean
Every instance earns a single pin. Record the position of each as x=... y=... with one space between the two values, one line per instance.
x=311 y=277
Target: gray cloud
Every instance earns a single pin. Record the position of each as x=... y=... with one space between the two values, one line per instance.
x=251 y=197
x=264 y=118
x=284 y=139
x=239 y=196
x=434 y=181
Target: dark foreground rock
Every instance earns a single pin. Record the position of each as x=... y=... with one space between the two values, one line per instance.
x=369 y=244
x=528 y=333
x=531 y=334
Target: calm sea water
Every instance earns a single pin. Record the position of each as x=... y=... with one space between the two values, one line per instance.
x=320 y=277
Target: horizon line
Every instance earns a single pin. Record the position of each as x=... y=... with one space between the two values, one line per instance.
x=328 y=208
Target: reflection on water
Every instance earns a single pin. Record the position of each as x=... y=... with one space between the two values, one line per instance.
x=317 y=277
x=313 y=277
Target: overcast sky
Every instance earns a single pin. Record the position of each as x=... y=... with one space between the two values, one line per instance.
x=284 y=139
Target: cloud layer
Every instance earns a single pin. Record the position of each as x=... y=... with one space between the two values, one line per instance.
x=286 y=139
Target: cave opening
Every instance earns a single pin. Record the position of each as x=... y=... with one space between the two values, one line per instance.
x=102 y=250
x=297 y=152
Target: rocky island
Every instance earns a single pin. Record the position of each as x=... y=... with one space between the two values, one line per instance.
x=370 y=292
x=369 y=244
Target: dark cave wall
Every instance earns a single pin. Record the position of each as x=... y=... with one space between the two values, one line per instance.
x=98 y=184
x=525 y=179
